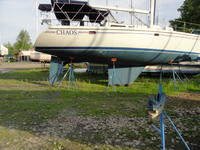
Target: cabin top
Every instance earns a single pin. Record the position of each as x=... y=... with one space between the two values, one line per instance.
x=67 y=11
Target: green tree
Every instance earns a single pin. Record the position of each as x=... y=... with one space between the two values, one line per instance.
x=11 y=49
x=23 y=41
x=190 y=13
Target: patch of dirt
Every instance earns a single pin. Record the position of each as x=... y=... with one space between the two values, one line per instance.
x=117 y=131
x=188 y=96
x=7 y=67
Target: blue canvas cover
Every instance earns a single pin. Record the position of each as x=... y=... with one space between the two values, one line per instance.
x=45 y=7
x=66 y=10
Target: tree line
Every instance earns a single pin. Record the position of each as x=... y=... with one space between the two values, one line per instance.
x=23 y=42
x=189 y=16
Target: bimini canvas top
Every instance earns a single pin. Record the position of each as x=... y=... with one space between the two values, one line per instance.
x=71 y=10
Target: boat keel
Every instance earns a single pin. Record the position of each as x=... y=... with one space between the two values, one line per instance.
x=123 y=76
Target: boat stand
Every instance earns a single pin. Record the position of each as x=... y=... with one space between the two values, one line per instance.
x=114 y=75
x=164 y=116
x=71 y=76
x=175 y=77
x=56 y=69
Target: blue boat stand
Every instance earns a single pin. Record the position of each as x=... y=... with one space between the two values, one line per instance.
x=71 y=76
x=164 y=116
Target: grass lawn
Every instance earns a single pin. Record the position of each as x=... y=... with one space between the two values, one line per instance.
x=27 y=101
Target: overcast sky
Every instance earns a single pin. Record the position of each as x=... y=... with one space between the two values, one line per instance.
x=16 y=15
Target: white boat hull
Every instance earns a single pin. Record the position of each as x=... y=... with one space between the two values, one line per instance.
x=133 y=46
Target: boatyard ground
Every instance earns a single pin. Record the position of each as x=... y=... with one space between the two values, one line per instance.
x=36 y=116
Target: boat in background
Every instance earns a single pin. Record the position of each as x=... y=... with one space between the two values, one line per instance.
x=3 y=51
x=40 y=57
x=90 y=33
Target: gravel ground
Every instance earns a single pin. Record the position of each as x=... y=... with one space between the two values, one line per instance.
x=114 y=131
x=123 y=131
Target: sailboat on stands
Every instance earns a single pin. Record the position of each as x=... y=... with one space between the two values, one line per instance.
x=90 y=33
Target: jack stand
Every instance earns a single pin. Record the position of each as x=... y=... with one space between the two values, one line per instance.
x=164 y=115
x=114 y=74
x=162 y=129
x=71 y=76
x=175 y=75
x=56 y=69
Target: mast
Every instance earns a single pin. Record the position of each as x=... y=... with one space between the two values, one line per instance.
x=131 y=13
x=152 y=12
x=0 y=39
